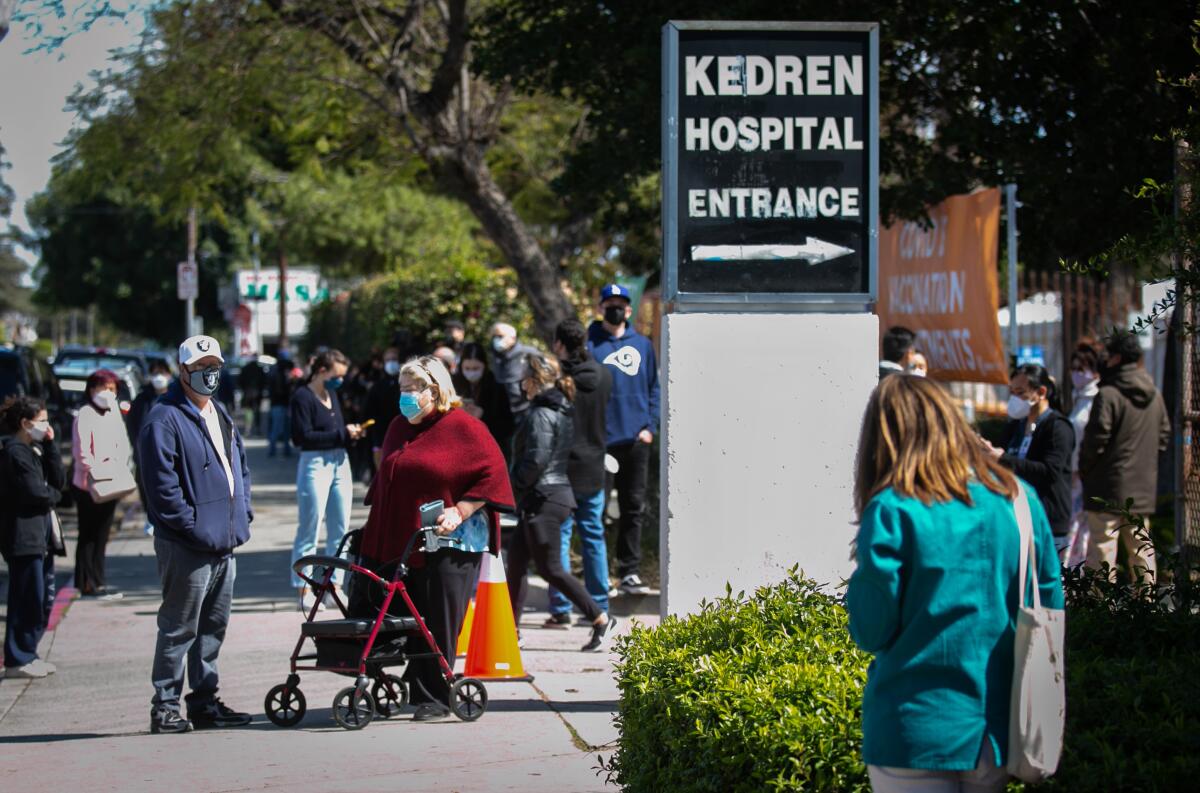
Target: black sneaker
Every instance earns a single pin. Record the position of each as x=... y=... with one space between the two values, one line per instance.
x=601 y=636
x=216 y=714
x=168 y=720
x=558 y=621
x=430 y=712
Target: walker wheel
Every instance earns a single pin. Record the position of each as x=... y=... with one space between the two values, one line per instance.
x=391 y=694
x=468 y=699
x=285 y=705
x=353 y=709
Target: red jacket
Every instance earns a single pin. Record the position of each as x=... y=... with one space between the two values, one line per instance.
x=449 y=456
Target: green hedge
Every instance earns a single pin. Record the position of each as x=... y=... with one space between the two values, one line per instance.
x=764 y=693
x=750 y=694
x=419 y=300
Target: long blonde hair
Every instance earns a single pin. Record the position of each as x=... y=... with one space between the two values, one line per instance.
x=915 y=441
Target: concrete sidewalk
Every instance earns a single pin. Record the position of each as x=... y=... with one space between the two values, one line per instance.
x=86 y=728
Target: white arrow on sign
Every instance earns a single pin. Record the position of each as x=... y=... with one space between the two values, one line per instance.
x=813 y=251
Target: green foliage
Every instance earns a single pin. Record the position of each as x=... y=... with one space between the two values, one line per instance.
x=417 y=300
x=750 y=694
x=13 y=295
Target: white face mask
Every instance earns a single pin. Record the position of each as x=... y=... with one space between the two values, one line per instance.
x=391 y=367
x=1082 y=379
x=501 y=344
x=1018 y=408
x=472 y=375
x=39 y=431
x=105 y=400
x=160 y=381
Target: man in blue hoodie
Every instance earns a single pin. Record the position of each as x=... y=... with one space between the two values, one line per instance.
x=630 y=421
x=193 y=468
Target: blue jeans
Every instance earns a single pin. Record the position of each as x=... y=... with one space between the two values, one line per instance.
x=324 y=487
x=595 y=552
x=197 y=591
x=281 y=430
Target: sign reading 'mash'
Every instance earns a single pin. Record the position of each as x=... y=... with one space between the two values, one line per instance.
x=770 y=152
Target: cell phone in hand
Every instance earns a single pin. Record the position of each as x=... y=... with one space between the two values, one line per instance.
x=430 y=512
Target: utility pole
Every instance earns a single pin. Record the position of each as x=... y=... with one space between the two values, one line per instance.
x=191 y=260
x=1010 y=216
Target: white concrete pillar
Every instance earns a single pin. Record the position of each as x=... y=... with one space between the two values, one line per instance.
x=761 y=417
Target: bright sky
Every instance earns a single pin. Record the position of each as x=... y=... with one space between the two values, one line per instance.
x=34 y=87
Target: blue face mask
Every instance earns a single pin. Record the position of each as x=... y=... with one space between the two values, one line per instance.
x=334 y=383
x=410 y=405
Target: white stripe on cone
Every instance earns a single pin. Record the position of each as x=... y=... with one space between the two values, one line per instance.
x=493 y=570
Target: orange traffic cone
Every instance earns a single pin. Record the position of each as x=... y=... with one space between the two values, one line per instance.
x=492 y=653
x=464 y=636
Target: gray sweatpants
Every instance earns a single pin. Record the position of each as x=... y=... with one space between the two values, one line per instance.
x=197 y=593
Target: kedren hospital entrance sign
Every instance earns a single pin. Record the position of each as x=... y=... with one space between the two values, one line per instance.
x=769 y=349
x=770 y=157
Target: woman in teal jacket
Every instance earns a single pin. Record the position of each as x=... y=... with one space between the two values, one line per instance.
x=934 y=596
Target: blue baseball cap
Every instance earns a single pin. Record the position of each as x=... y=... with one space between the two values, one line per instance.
x=614 y=290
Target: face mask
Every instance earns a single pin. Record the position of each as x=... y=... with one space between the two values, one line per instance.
x=499 y=344
x=205 y=381
x=410 y=405
x=1018 y=408
x=334 y=383
x=39 y=430
x=472 y=375
x=917 y=372
x=391 y=367
x=614 y=315
x=105 y=400
x=159 y=382
x=1081 y=379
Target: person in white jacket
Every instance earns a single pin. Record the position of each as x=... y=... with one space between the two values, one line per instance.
x=100 y=448
x=1085 y=384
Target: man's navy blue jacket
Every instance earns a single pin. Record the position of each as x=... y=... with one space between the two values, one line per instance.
x=186 y=489
x=633 y=404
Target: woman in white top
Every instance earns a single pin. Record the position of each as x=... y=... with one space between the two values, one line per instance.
x=1085 y=384
x=99 y=445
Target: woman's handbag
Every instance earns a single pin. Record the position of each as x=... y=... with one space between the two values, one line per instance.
x=1039 y=703
x=58 y=542
x=110 y=482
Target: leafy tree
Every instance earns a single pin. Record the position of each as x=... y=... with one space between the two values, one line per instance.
x=13 y=294
x=1056 y=95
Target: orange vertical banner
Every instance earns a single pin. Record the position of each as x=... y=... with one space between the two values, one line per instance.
x=941 y=282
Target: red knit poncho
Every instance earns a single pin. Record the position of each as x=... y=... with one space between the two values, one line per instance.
x=449 y=456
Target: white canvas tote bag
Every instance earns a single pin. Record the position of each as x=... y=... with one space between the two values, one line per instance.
x=1039 y=701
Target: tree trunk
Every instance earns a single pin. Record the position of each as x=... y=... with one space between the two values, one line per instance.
x=538 y=276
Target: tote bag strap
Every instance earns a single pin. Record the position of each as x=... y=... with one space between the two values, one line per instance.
x=1027 y=566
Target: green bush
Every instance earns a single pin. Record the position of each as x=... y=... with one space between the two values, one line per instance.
x=750 y=694
x=419 y=300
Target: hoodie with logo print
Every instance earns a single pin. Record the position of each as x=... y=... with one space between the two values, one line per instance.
x=634 y=403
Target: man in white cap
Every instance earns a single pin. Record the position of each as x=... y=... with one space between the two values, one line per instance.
x=193 y=467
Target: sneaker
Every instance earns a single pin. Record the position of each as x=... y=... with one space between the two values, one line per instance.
x=168 y=720
x=216 y=714
x=108 y=593
x=34 y=670
x=632 y=585
x=49 y=667
x=558 y=621
x=430 y=712
x=601 y=636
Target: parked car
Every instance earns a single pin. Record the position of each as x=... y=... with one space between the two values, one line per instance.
x=157 y=356
x=78 y=359
x=23 y=373
x=73 y=381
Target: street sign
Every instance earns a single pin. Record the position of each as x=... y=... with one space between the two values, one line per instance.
x=770 y=152
x=187 y=281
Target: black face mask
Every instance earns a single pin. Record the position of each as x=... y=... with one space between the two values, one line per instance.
x=614 y=315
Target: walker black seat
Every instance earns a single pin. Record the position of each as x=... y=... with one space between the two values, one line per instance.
x=356 y=627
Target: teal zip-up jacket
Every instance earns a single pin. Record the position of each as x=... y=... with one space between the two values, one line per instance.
x=934 y=597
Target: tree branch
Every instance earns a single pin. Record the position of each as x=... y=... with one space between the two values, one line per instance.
x=435 y=100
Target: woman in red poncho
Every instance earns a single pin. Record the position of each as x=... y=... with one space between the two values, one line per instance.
x=435 y=451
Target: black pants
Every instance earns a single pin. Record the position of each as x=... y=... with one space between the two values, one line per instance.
x=630 y=482
x=30 y=598
x=539 y=537
x=95 y=523
x=440 y=591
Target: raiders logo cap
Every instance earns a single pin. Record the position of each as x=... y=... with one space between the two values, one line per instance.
x=198 y=347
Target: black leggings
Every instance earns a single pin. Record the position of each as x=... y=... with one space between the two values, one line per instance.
x=95 y=524
x=539 y=537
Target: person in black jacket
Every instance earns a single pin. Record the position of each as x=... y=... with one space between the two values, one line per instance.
x=541 y=450
x=160 y=378
x=585 y=469
x=1039 y=443
x=31 y=483
x=483 y=397
x=383 y=402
